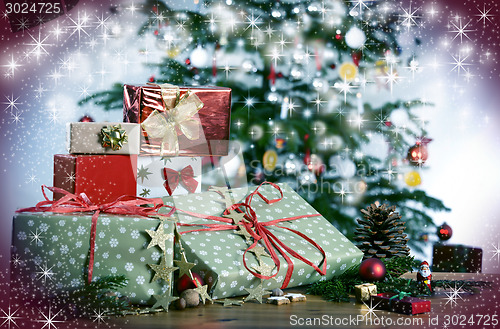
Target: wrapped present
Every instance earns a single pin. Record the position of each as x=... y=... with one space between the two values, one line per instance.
x=401 y=303
x=161 y=176
x=102 y=177
x=457 y=258
x=280 y=239
x=103 y=138
x=363 y=292
x=59 y=248
x=182 y=121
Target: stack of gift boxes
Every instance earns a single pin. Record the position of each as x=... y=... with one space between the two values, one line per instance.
x=94 y=231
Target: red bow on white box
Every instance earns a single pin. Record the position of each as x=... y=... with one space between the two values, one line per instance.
x=185 y=177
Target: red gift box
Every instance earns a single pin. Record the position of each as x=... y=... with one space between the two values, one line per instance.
x=103 y=178
x=139 y=102
x=405 y=305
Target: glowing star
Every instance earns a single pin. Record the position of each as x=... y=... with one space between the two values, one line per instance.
x=461 y=30
x=484 y=15
x=79 y=25
x=45 y=273
x=32 y=178
x=101 y=23
x=9 y=318
x=99 y=316
x=253 y=22
x=275 y=55
x=282 y=42
x=371 y=310
x=496 y=252
x=343 y=192
x=390 y=173
x=48 y=319
x=36 y=237
x=11 y=103
x=409 y=17
x=12 y=66
x=359 y=4
x=391 y=78
x=344 y=87
x=318 y=102
x=453 y=295
x=459 y=64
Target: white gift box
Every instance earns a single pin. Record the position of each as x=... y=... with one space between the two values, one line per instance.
x=151 y=178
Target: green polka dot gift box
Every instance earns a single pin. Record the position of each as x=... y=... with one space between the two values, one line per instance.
x=239 y=238
x=50 y=253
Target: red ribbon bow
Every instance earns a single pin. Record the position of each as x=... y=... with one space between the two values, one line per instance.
x=259 y=231
x=124 y=205
x=185 y=176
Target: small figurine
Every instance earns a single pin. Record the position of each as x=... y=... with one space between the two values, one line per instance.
x=424 y=275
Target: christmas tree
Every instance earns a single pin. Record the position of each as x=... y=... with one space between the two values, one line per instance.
x=299 y=72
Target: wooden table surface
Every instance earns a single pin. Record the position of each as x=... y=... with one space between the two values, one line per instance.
x=470 y=310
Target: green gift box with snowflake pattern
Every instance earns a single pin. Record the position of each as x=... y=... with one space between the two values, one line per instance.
x=51 y=252
x=218 y=255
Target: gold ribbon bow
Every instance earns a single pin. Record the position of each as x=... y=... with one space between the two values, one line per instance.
x=179 y=112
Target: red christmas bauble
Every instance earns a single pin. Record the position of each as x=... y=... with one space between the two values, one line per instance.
x=444 y=232
x=372 y=269
x=417 y=154
x=86 y=118
x=186 y=283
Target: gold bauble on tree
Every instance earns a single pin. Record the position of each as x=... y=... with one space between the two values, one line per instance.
x=381 y=234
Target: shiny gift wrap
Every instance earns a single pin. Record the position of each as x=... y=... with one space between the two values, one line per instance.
x=141 y=102
x=401 y=304
x=102 y=177
x=363 y=292
x=219 y=254
x=63 y=245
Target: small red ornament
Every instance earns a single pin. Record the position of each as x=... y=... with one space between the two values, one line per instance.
x=156 y=32
x=444 y=232
x=151 y=78
x=417 y=154
x=186 y=283
x=338 y=36
x=333 y=66
x=372 y=269
x=86 y=118
x=188 y=61
x=356 y=56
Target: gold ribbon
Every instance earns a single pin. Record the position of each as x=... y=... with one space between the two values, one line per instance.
x=179 y=112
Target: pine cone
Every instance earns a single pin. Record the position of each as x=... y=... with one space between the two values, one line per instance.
x=381 y=233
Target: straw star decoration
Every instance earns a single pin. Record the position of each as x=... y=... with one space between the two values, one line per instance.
x=162 y=271
x=163 y=301
x=256 y=293
x=202 y=290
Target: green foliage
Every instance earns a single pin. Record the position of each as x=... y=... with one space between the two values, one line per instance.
x=397 y=266
x=99 y=296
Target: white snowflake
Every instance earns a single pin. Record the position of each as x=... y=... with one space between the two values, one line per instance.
x=113 y=270
x=122 y=230
x=155 y=256
x=102 y=235
x=62 y=222
x=134 y=234
x=140 y=280
x=80 y=230
x=129 y=267
x=131 y=250
x=105 y=255
x=54 y=238
x=21 y=235
x=113 y=242
x=64 y=249
x=224 y=273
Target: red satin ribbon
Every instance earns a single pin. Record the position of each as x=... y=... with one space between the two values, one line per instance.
x=259 y=231
x=185 y=176
x=124 y=205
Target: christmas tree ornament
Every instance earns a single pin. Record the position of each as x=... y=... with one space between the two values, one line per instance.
x=316 y=165
x=299 y=55
x=256 y=293
x=248 y=66
x=291 y=164
x=342 y=166
x=372 y=269
x=86 y=118
x=185 y=282
x=113 y=137
x=444 y=232
x=348 y=71
x=200 y=57
x=381 y=233
x=191 y=296
x=319 y=128
x=417 y=154
x=424 y=276
x=356 y=57
x=320 y=84
x=184 y=266
x=307 y=178
x=273 y=97
x=163 y=301
x=278 y=12
x=296 y=72
x=355 y=38
x=280 y=143
x=256 y=132
x=269 y=160
x=413 y=178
